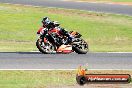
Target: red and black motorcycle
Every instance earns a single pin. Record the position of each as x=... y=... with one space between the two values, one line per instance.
x=55 y=43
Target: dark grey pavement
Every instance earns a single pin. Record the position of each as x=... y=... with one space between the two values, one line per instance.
x=36 y=60
x=98 y=7
x=28 y=60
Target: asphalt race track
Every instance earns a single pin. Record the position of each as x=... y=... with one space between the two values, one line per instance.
x=36 y=60
x=98 y=7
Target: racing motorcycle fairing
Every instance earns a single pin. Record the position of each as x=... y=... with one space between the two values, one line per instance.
x=65 y=49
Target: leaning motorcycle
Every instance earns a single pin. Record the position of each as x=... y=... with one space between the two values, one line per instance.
x=53 y=42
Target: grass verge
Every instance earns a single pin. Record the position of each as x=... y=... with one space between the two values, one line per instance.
x=103 y=32
x=44 y=79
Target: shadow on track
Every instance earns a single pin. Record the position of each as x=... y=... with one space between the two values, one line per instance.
x=33 y=53
x=23 y=52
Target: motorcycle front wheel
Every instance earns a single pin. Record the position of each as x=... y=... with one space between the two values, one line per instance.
x=46 y=48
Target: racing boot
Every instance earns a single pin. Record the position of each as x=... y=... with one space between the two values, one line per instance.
x=69 y=40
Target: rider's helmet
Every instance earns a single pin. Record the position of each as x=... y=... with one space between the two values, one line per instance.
x=46 y=21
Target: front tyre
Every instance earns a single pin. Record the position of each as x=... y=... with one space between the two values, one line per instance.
x=81 y=47
x=47 y=48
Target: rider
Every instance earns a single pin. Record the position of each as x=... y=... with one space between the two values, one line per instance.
x=49 y=25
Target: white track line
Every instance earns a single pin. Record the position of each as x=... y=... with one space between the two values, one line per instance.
x=68 y=69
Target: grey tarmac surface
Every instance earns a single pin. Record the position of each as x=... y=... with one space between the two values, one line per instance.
x=36 y=60
x=30 y=60
x=98 y=7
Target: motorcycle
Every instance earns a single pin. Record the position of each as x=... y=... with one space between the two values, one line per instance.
x=53 y=42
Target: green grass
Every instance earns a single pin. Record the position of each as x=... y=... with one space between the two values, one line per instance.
x=43 y=79
x=36 y=79
x=103 y=32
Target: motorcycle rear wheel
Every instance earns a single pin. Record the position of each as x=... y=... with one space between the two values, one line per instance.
x=82 y=48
